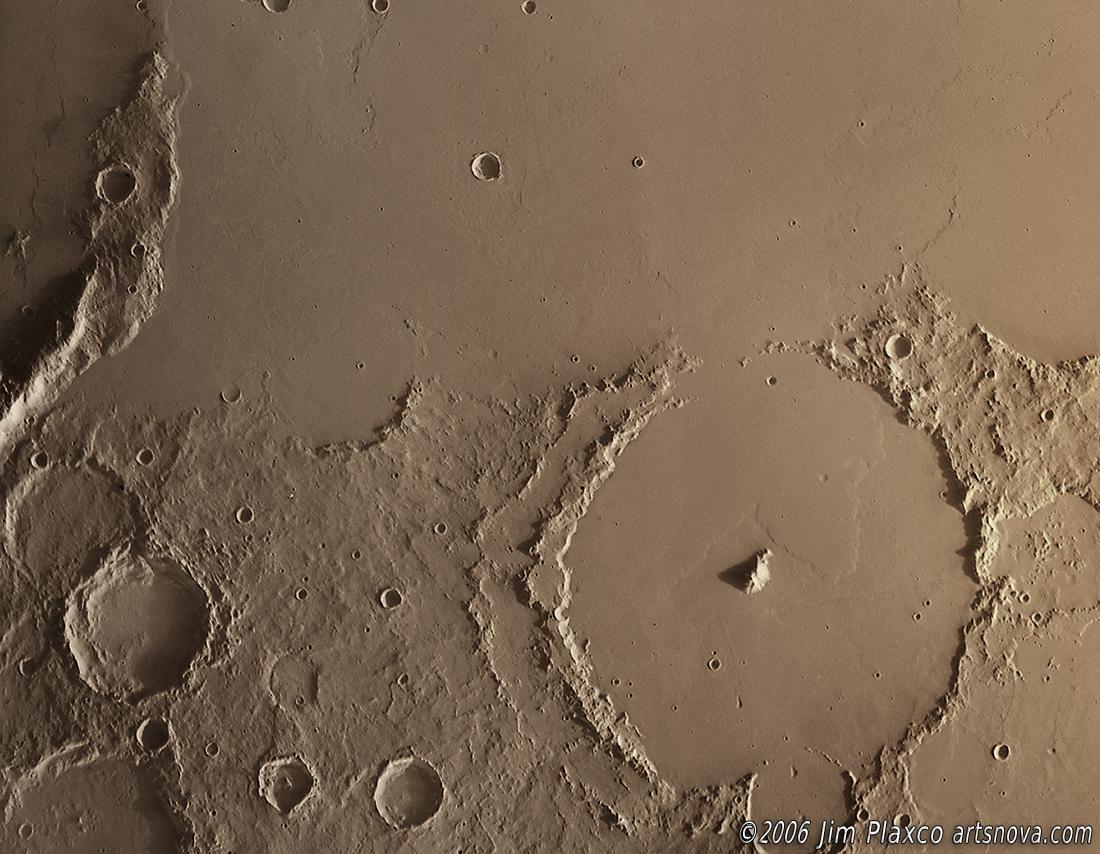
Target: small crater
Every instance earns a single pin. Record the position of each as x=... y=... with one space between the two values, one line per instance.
x=245 y=515
x=390 y=598
x=409 y=792
x=231 y=394
x=26 y=830
x=902 y=819
x=528 y=7
x=276 y=5
x=115 y=184
x=862 y=814
x=772 y=381
x=899 y=347
x=486 y=166
x=1001 y=752
x=144 y=457
x=138 y=250
x=1047 y=415
x=440 y=528
x=40 y=459
x=212 y=749
x=715 y=664
x=380 y=7
x=153 y=734
x=301 y=593
x=285 y=783
x=638 y=162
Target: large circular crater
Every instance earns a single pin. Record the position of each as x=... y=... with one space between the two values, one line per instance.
x=409 y=792
x=285 y=783
x=135 y=626
x=852 y=637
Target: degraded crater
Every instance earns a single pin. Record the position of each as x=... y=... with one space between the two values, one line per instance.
x=136 y=625
x=285 y=783
x=409 y=792
x=293 y=683
x=79 y=500
x=75 y=802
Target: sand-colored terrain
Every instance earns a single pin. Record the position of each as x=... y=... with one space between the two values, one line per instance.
x=547 y=427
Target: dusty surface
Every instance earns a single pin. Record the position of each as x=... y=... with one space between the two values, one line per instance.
x=544 y=427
